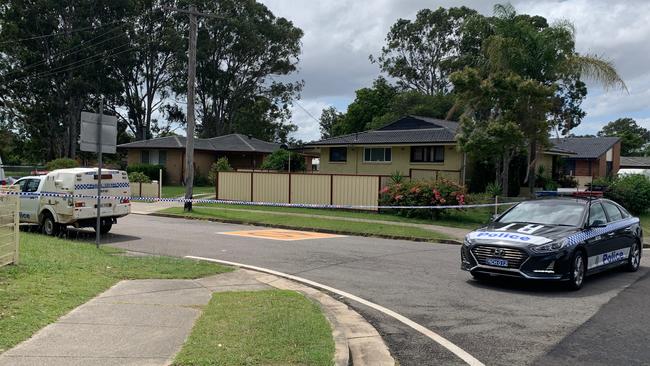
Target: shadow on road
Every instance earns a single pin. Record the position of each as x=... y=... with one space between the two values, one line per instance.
x=613 y=279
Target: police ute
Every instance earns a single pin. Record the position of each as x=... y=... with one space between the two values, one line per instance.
x=67 y=197
x=562 y=239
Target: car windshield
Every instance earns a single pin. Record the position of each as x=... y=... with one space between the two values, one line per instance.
x=546 y=213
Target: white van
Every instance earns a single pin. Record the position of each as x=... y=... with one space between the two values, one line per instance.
x=54 y=213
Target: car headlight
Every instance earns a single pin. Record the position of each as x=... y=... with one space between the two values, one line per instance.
x=467 y=242
x=550 y=247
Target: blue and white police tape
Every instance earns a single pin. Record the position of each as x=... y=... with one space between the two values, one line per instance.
x=247 y=203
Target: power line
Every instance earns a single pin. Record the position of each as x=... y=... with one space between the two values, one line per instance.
x=60 y=33
x=300 y=105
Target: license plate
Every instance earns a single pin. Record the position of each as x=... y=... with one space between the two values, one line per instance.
x=497 y=262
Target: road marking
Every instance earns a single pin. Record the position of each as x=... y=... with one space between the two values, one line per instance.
x=459 y=352
x=280 y=234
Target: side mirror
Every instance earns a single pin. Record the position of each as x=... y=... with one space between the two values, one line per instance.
x=598 y=223
x=494 y=217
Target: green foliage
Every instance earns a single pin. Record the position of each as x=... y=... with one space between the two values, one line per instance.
x=139 y=177
x=279 y=160
x=150 y=170
x=200 y=180
x=633 y=137
x=237 y=65
x=494 y=189
x=221 y=165
x=329 y=118
x=61 y=163
x=567 y=181
x=396 y=177
x=441 y=192
x=632 y=192
x=421 y=53
x=368 y=104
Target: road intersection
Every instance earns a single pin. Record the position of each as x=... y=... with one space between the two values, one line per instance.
x=498 y=322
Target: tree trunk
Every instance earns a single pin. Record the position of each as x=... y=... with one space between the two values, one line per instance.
x=505 y=173
x=532 y=166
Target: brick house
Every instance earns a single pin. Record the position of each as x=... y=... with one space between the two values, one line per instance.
x=591 y=157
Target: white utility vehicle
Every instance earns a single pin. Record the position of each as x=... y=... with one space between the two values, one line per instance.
x=54 y=213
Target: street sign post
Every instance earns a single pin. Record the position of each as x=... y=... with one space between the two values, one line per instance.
x=98 y=135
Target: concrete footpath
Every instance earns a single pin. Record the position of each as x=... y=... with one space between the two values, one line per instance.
x=146 y=322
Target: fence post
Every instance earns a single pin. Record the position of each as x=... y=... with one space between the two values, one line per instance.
x=331 y=189
x=252 y=186
x=216 y=186
x=17 y=229
x=160 y=183
x=290 y=187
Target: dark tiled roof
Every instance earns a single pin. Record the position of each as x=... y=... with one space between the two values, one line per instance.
x=406 y=130
x=585 y=147
x=233 y=142
x=635 y=161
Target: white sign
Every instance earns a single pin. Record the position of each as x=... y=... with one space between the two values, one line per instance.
x=89 y=126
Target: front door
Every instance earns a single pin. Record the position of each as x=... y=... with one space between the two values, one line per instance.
x=29 y=202
x=597 y=244
x=621 y=238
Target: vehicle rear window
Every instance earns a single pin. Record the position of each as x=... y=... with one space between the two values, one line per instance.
x=546 y=213
x=612 y=211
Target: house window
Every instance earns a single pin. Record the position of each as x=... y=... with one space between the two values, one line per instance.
x=377 y=154
x=144 y=156
x=339 y=154
x=162 y=157
x=427 y=154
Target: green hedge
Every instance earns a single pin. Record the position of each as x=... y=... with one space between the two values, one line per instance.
x=150 y=170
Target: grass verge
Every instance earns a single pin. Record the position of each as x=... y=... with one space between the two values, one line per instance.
x=324 y=224
x=55 y=276
x=179 y=191
x=273 y=327
x=466 y=219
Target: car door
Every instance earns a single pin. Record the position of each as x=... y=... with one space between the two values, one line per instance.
x=29 y=202
x=596 y=244
x=621 y=237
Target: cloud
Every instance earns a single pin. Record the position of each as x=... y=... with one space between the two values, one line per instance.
x=341 y=34
x=305 y=115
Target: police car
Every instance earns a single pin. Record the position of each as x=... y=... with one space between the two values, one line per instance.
x=562 y=239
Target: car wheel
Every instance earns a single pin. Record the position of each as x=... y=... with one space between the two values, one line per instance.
x=578 y=269
x=634 y=260
x=49 y=226
x=105 y=227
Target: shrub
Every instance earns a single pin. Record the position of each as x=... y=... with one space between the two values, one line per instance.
x=62 y=163
x=221 y=165
x=200 y=180
x=150 y=170
x=396 y=177
x=494 y=189
x=632 y=192
x=441 y=192
x=567 y=181
x=138 y=177
x=279 y=160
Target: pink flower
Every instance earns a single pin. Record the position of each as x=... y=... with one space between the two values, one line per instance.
x=415 y=190
x=384 y=190
x=443 y=201
x=398 y=197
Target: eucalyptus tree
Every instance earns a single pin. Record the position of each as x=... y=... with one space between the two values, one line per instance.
x=243 y=59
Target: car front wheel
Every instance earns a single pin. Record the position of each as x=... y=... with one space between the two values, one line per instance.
x=50 y=227
x=578 y=269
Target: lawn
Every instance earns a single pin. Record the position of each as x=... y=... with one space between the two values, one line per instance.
x=469 y=218
x=273 y=327
x=340 y=226
x=179 y=191
x=55 y=276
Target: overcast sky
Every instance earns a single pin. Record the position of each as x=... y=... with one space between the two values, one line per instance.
x=341 y=34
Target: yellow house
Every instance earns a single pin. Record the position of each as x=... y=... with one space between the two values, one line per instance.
x=414 y=146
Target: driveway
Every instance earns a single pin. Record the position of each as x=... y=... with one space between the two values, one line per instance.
x=498 y=322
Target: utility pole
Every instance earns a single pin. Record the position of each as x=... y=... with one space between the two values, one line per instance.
x=191 y=89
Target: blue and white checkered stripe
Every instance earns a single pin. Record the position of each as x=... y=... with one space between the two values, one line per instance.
x=80 y=187
x=246 y=203
x=584 y=235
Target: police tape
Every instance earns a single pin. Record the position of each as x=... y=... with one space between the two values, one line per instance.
x=246 y=203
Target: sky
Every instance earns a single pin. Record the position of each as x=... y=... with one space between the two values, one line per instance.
x=341 y=34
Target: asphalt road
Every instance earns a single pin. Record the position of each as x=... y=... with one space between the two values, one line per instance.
x=501 y=322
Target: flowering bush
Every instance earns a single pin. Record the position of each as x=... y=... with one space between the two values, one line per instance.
x=441 y=192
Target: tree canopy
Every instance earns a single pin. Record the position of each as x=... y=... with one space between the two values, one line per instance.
x=634 y=138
